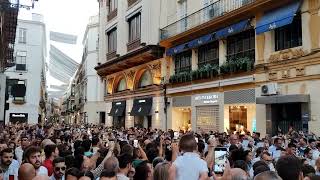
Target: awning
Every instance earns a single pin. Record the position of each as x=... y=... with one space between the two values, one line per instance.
x=202 y=40
x=280 y=99
x=191 y=44
x=118 y=108
x=177 y=49
x=141 y=107
x=233 y=29
x=277 y=18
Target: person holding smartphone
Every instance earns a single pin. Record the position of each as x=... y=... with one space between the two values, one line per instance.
x=189 y=165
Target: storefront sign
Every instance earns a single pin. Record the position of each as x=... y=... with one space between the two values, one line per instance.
x=18 y=115
x=206 y=99
x=181 y=101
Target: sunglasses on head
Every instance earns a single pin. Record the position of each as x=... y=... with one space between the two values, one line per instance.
x=58 y=168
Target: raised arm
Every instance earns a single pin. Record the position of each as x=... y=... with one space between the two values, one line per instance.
x=97 y=171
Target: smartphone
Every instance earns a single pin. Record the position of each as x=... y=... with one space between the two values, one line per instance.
x=11 y=177
x=220 y=159
x=135 y=143
x=212 y=137
x=176 y=135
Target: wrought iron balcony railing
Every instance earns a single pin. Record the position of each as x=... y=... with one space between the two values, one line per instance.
x=214 y=10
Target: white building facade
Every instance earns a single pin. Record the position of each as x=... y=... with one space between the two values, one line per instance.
x=26 y=80
x=131 y=63
x=89 y=87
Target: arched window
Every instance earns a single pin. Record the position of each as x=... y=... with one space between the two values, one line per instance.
x=145 y=79
x=122 y=85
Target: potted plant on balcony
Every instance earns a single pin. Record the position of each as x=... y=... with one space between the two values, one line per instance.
x=173 y=79
x=184 y=77
x=225 y=68
x=214 y=71
x=195 y=74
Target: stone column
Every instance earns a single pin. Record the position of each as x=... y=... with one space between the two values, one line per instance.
x=314 y=24
x=194 y=59
x=260 y=44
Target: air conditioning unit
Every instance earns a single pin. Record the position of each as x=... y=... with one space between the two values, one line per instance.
x=269 y=89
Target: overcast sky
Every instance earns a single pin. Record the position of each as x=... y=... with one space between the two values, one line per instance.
x=65 y=16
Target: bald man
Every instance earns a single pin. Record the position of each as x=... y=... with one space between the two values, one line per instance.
x=111 y=165
x=41 y=177
x=26 y=171
x=237 y=173
x=270 y=175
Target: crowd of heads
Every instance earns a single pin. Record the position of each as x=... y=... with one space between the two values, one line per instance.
x=89 y=152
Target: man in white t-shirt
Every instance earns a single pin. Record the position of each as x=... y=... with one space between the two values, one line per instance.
x=188 y=166
x=33 y=156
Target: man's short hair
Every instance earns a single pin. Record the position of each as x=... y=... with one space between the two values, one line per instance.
x=128 y=149
x=308 y=170
x=260 y=169
x=31 y=150
x=291 y=145
x=124 y=160
x=269 y=175
x=58 y=160
x=73 y=172
x=49 y=149
x=6 y=150
x=188 y=143
x=311 y=141
x=289 y=167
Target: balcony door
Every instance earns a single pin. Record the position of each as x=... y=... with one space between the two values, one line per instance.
x=182 y=14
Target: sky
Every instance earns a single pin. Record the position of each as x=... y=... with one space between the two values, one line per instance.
x=65 y=16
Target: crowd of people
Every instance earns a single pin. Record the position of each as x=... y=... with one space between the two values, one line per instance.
x=90 y=152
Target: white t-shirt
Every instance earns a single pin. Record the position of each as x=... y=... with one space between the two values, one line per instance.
x=42 y=171
x=122 y=177
x=189 y=166
x=19 y=154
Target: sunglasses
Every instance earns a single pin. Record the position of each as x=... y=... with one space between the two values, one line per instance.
x=58 y=168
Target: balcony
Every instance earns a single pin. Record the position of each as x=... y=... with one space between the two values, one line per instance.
x=204 y=15
x=217 y=15
x=112 y=14
x=131 y=2
x=231 y=68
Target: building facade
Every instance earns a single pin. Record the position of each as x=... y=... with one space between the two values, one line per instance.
x=89 y=87
x=234 y=65
x=131 y=63
x=8 y=25
x=26 y=80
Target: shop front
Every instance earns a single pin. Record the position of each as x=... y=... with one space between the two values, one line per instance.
x=181 y=113
x=118 y=114
x=18 y=117
x=206 y=111
x=141 y=112
x=284 y=111
x=240 y=111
